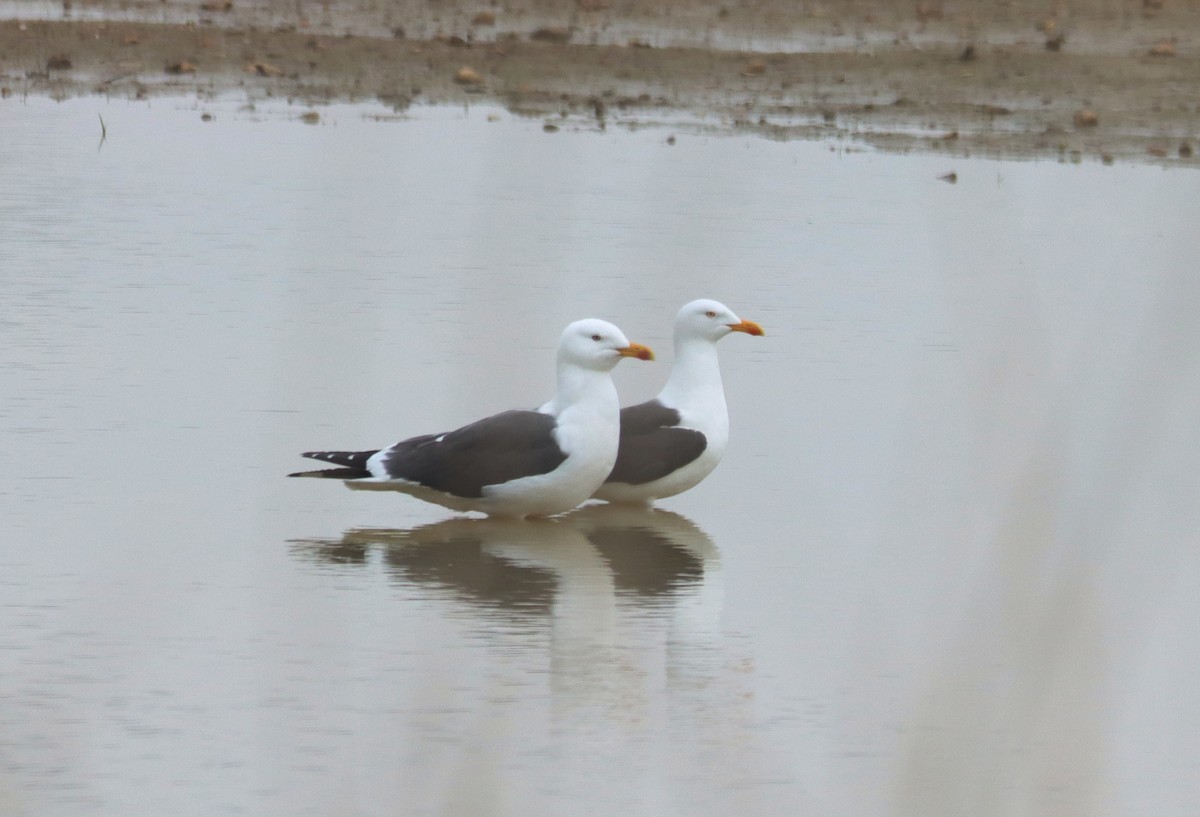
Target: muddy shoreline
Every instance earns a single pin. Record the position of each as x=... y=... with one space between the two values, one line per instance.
x=1106 y=81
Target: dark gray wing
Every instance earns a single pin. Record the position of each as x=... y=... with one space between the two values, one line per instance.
x=494 y=450
x=652 y=444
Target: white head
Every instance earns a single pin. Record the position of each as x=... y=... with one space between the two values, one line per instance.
x=598 y=345
x=710 y=320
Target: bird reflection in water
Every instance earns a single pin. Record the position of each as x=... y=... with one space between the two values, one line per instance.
x=616 y=610
x=646 y=556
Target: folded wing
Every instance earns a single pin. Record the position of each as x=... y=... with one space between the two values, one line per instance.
x=653 y=445
x=492 y=451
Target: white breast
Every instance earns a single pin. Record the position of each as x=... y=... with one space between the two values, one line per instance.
x=588 y=432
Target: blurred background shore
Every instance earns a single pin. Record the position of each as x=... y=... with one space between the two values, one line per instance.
x=1114 y=80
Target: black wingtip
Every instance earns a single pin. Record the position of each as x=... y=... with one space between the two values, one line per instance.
x=351 y=459
x=353 y=464
x=334 y=473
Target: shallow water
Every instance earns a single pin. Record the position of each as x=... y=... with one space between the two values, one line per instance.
x=948 y=565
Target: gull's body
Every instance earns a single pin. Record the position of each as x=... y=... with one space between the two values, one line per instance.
x=516 y=463
x=671 y=443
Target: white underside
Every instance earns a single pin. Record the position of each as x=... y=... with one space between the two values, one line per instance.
x=543 y=495
x=678 y=481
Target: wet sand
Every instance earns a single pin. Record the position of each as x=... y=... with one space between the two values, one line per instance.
x=1094 y=80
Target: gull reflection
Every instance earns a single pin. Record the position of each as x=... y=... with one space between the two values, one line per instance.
x=651 y=552
x=645 y=556
x=601 y=626
x=657 y=555
x=470 y=562
x=623 y=593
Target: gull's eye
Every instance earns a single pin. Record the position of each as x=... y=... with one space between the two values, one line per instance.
x=710 y=314
x=596 y=338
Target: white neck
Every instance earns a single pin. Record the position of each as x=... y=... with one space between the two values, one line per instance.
x=577 y=384
x=695 y=376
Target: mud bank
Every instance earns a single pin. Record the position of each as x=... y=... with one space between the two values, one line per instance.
x=1104 y=80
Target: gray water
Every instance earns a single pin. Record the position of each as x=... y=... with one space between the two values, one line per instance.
x=948 y=566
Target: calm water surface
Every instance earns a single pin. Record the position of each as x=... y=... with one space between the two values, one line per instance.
x=949 y=565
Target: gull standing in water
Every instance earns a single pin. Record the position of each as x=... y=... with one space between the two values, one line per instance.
x=517 y=463
x=669 y=444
